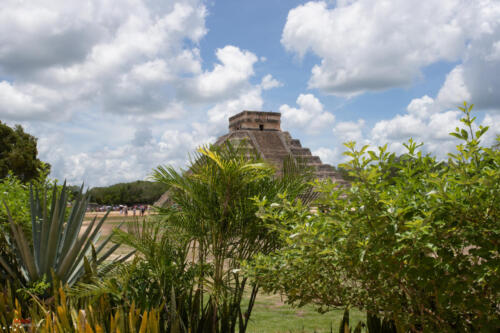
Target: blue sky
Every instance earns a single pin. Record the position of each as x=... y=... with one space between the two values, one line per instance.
x=113 y=89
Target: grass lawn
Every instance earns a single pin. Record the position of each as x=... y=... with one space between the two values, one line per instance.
x=270 y=314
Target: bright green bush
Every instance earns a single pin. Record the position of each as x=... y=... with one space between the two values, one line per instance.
x=16 y=195
x=419 y=246
x=59 y=248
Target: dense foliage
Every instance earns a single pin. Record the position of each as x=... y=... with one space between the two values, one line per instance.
x=138 y=192
x=18 y=154
x=16 y=195
x=70 y=317
x=419 y=246
x=213 y=205
x=60 y=250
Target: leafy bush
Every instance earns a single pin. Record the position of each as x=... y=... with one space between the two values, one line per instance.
x=419 y=246
x=16 y=195
x=58 y=249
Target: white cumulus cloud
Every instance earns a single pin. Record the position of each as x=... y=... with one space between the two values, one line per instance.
x=227 y=78
x=115 y=88
x=218 y=115
x=370 y=45
x=331 y=156
x=349 y=130
x=116 y=56
x=309 y=115
x=429 y=122
x=269 y=82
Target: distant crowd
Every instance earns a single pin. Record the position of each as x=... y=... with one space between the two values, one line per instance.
x=135 y=210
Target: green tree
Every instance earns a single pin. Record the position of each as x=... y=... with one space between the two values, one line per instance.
x=419 y=246
x=18 y=154
x=214 y=205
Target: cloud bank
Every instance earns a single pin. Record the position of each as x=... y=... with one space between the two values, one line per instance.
x=370 y=45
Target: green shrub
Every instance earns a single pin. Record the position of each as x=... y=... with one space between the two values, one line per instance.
x=16 y=195
x=59 y=248
x=413 y=239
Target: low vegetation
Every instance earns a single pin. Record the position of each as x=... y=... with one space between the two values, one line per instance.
x=138 y=192
x=419 y=246
x=410 y=246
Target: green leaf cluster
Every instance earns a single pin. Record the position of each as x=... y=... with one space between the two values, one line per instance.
x=413 y=239
x=16 y=195
x=18 y=154
x=59 y=247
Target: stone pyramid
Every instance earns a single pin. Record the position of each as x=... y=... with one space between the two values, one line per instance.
x=262 y=131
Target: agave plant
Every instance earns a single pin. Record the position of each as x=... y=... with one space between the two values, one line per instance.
x=60 y=247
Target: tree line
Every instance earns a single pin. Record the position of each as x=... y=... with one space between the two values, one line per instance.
x=138 y=192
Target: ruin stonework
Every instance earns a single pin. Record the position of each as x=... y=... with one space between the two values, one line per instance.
x=262 y=131
x=255 y=120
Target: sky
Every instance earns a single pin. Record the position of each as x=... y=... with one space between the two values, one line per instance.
x=114 y=88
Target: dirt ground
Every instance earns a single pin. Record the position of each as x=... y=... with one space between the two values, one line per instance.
x=113 y=220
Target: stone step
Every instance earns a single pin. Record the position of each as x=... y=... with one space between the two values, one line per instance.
x=309 y=159
x=300 y=151
x=271 y=153
x=326 y=167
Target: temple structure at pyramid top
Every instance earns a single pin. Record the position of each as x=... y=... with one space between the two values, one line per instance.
x=262 y=131
x=255 y=120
